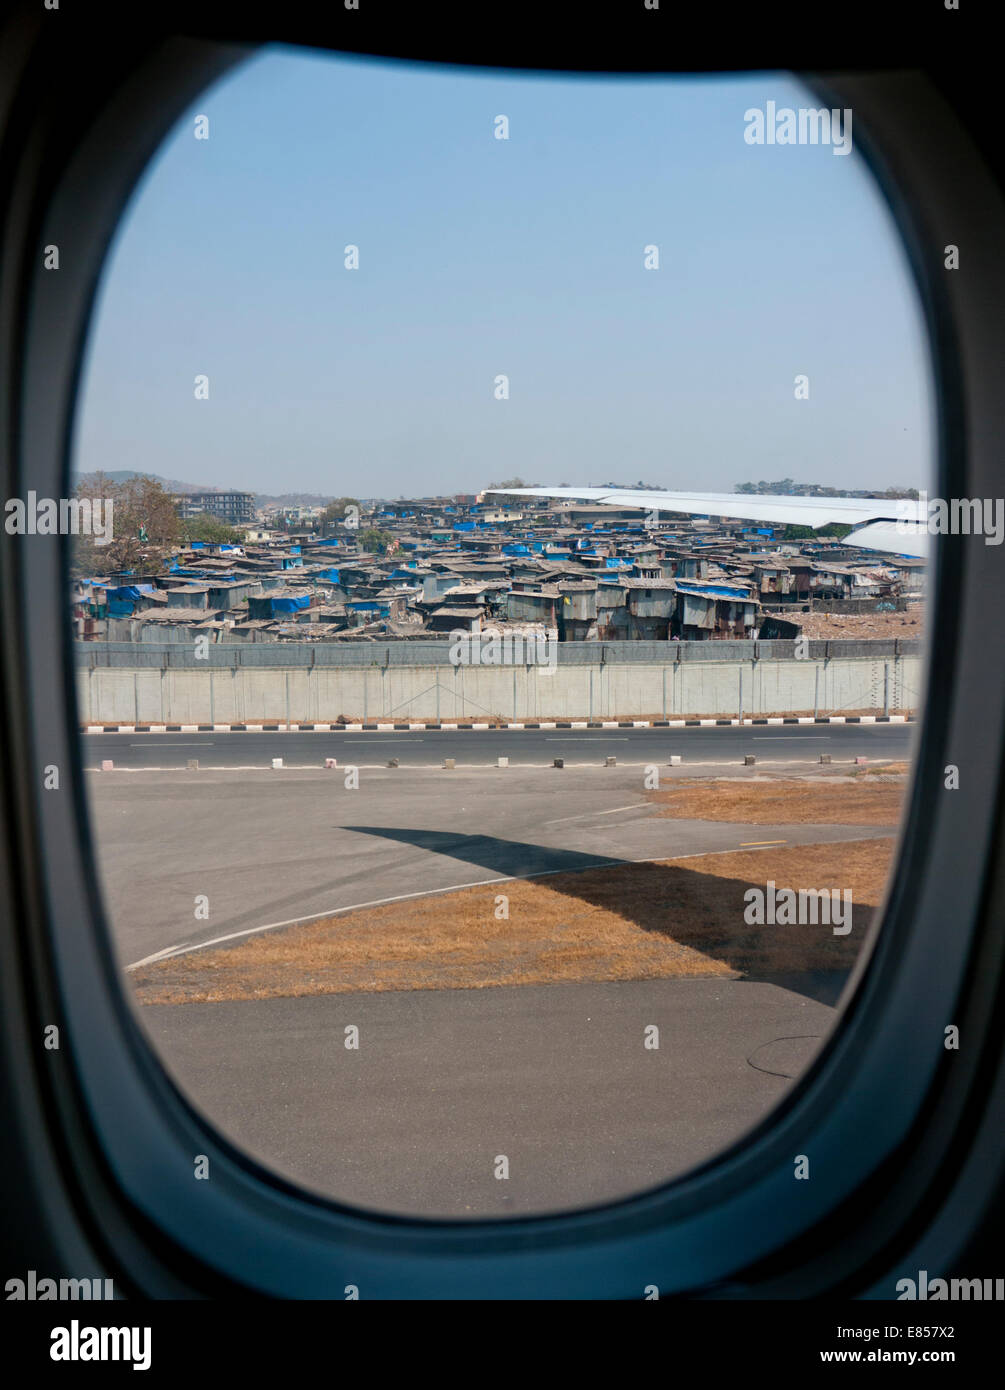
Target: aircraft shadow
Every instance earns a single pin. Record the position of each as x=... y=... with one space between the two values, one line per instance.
x=684 y=906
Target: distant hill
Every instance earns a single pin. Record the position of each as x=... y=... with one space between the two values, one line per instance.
x=632 y=487
x=122 y=475
x=293 y=499
x=785 y=487
x=262 y=499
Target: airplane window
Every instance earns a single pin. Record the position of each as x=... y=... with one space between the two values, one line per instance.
x=499 y=622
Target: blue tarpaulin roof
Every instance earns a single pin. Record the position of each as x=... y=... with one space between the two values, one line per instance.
x=291 y=603
x=133 y=591
x=713 y=591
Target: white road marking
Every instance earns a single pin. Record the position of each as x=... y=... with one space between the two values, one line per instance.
x=170 y=952
x=584 y=815
x=337 y=912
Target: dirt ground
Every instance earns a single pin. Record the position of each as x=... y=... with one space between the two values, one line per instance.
x=829 y=800
x=910 y=623
x=665 y=920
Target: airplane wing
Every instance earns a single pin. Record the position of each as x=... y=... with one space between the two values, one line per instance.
x=897 y=527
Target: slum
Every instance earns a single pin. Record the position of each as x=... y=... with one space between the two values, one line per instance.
x=452 y=565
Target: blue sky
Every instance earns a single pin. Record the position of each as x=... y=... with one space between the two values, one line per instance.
x=481 y=256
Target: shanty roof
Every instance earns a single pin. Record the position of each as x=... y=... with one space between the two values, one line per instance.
x=740 y=595
x=633 y=582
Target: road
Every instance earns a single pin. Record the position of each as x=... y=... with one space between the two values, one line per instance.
x=556 y=1078
x=428 y=748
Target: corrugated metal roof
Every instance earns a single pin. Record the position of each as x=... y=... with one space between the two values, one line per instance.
x=715 y=591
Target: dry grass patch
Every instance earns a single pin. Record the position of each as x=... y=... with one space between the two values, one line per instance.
x=636 y=921
x=822 y=801
x=881 y=770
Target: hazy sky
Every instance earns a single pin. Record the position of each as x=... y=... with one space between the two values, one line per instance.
x=481 y=256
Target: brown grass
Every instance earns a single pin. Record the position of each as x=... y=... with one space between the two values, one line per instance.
x=636 y=921
x=820 y=801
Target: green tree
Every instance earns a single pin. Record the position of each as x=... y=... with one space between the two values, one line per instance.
x=375 y=541
x=206 y=527
x=145 y=525
x=835 y=529
x=336 y=511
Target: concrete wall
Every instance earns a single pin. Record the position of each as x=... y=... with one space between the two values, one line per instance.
x=255 y=694
x=437 y=652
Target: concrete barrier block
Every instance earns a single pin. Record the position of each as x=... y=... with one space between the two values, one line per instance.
x=277 y=762
x=107 y=765
x=192 y=765
x=448 y=763
x=825 y=757
x=674 y=760
x=502 y=762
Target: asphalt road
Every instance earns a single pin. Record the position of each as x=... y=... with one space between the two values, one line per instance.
x=428 y=748
x=555 y=1078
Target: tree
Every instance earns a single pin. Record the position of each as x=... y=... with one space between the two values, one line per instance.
x=835 y=529
x=336 y=511
x=145 y=524
x=375 y=541
x=206 y=527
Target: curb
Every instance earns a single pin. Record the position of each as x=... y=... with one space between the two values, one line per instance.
x=467 y=727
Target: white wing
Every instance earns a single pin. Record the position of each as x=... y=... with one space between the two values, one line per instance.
x=897 y=527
